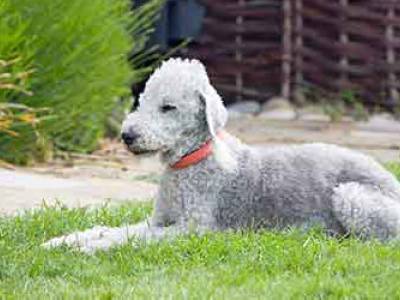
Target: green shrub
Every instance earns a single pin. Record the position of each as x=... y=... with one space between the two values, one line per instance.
x=18 y=118
x=12 y=83
x=78 y=51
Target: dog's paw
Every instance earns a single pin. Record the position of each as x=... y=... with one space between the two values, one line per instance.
x=88 y=241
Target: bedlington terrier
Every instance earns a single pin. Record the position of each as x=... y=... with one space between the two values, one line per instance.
x=213 y=182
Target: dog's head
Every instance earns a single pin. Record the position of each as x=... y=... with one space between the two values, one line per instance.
x=178 y=105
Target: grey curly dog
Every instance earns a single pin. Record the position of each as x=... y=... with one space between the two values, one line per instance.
x=213 y=182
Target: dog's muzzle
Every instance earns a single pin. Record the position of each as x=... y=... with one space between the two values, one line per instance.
x=131 y=141
x=130 y=138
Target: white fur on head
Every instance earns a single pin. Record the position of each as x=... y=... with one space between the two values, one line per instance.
x=196 y=79
x=191 y=76
x=178 y=77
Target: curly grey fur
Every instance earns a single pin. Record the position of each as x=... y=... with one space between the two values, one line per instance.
x=240 y=186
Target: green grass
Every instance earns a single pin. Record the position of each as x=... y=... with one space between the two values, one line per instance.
x=245 y=265
x=277 y=265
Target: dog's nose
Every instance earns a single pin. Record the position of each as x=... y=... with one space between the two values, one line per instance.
x=129 y=138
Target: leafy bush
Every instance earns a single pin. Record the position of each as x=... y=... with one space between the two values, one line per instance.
x=79 y=52
x=13 y=116
x=12 y=83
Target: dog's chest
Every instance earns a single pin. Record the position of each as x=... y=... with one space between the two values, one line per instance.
x=190 y=192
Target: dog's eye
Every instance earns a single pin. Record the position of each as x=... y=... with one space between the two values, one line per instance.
x=167 y=108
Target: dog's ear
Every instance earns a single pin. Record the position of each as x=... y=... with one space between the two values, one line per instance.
x=215 y=111
x=216 y=117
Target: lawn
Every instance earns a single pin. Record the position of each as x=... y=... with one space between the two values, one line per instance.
x=264 y=265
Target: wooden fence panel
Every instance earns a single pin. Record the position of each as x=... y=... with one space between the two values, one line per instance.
x=255 y=49
x=350 y=45
x=242 y=48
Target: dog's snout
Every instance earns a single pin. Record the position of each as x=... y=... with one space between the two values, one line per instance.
x=129 y=137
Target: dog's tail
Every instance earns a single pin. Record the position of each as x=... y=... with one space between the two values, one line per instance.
x=366 y=211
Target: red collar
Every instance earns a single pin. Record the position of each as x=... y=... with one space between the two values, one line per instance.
x=195 y=157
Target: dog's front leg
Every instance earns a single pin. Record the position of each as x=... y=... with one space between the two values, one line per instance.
x=103 y=238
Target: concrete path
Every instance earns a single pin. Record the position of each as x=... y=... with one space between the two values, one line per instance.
x=381 y=142
x=23 y=189
x=113 y=174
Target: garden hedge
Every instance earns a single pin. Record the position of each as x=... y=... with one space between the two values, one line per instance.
x=77 y=52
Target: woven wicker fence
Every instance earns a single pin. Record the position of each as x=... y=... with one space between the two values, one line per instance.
x=256 y=49
x=241 y=46
x=346 y=45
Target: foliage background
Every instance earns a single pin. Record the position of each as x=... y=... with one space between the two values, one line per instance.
x=77 y=51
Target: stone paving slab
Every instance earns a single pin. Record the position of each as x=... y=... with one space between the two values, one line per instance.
x=20 y=189
x=257 y=130
x=384 y=145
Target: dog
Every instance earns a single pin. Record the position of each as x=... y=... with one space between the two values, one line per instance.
x=213 y=182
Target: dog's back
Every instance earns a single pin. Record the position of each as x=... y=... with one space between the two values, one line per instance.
x=291 y=185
